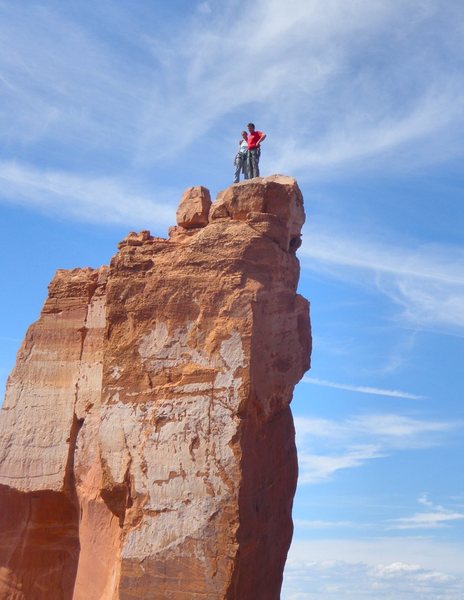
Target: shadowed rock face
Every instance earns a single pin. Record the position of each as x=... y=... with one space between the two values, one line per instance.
x=146 y=441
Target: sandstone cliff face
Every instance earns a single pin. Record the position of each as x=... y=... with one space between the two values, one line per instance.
x=146 y=441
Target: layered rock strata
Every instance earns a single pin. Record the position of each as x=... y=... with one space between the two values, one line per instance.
x=146 y=442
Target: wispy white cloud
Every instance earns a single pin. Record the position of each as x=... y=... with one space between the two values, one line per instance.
x=318 y=524
x=65 y=85
x=87 y=198
x=316 y=468
x=434 y=262
x=335 y=84
x=425 y=281
x=328 y=446
x=386 y=426
x=399 y=354
x=429 y=305
x=435 y=517
x=391 y=138
x=401 y=431
x=361 y=389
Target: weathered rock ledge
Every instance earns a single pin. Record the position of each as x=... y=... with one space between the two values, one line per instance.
x=146 y=442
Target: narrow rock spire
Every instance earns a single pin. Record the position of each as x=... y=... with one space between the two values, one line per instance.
x=146 y=441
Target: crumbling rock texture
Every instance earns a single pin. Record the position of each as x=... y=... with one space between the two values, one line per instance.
x=146 y=441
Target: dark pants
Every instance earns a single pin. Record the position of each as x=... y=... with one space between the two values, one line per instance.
x=253 y=162
x=240 y=163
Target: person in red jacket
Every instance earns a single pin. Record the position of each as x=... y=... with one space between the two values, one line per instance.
x=254 y=150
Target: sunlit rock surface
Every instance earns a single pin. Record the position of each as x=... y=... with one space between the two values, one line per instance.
x=146 y=441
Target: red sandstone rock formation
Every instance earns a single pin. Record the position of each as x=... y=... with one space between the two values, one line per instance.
x=146 y=441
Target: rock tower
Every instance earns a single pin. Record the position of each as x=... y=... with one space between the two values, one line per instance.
x=146 y=441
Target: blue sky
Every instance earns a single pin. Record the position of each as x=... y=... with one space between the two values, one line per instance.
x=111 y=109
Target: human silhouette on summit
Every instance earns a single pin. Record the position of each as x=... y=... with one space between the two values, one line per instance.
x=254 y=150
x=240 y=160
